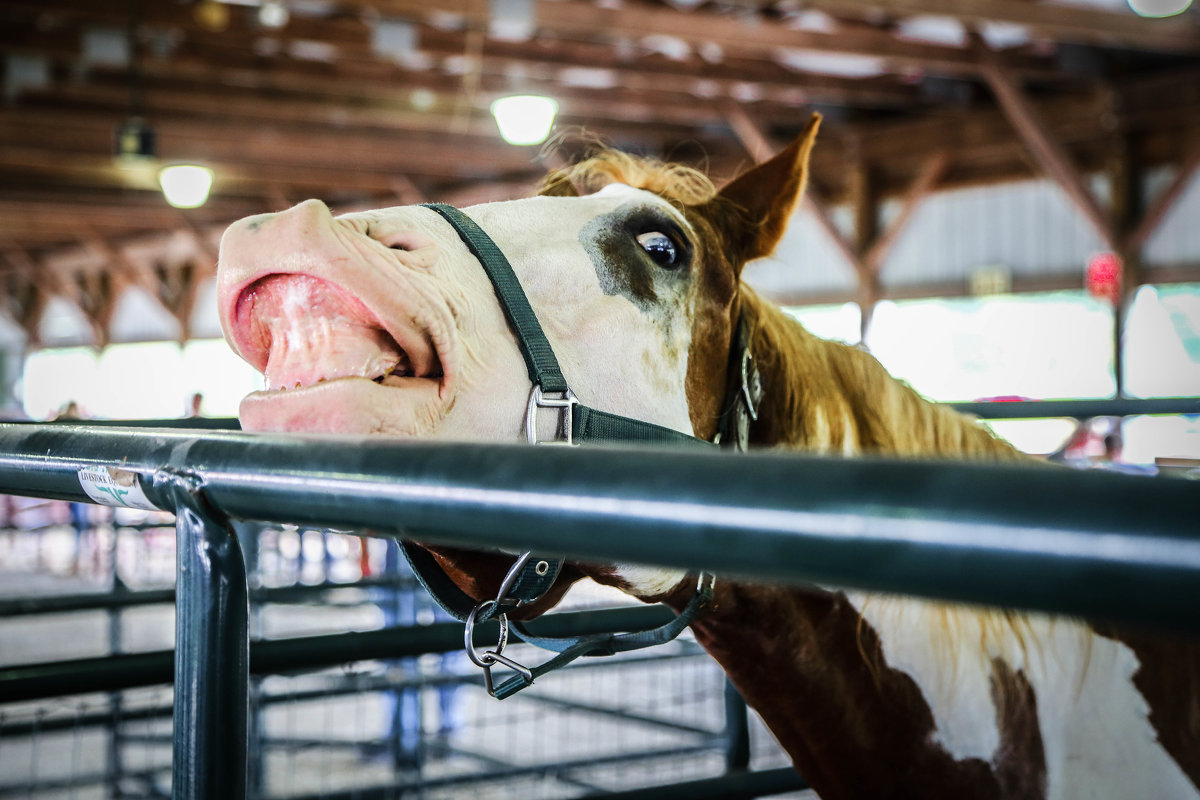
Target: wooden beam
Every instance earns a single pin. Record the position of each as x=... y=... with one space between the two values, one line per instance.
x=1062 y=279
x=204 y=247
x=735 y=33
x=747 y=131
x=560 y=61
x=925 y=182
x=1049 y=153
x=575 y=20
x=1165 y=201
x=820 y=211
x=24 y=299
x=1058 y=21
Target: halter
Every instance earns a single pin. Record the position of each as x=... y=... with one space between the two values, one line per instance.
x=532 y=575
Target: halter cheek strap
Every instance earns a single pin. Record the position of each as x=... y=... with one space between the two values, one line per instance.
x=579 y=423
x=533 y=574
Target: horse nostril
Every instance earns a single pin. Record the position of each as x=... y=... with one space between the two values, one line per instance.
x=407 y=241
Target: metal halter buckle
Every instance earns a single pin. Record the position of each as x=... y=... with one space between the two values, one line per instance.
x=537 y=399
x=749 y=375
x=490 y=658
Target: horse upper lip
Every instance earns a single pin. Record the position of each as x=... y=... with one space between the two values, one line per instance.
x=299 y=330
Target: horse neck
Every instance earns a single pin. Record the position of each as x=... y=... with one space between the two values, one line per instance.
x=814 y=670
x=829 y=397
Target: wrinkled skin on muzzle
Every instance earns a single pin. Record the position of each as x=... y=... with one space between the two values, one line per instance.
x=383 y=323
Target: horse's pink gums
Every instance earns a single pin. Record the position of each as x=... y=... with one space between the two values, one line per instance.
x=311 y=331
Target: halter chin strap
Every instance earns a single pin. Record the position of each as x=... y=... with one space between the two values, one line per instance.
x=533 y=574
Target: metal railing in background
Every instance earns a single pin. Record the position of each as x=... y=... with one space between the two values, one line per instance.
x=1081 y=409
x=1099 y=545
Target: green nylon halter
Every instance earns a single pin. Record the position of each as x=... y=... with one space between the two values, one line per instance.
x=533 y=574
x=586 y=424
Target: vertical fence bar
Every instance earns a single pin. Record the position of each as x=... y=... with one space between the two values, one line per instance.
x=737 y=730
x=115 y=702
x=211 y=653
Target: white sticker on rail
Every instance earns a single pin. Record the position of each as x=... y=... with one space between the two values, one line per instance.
x=114 y=487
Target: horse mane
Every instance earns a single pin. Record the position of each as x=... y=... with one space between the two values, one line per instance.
x=677 y=183
x=829 y=397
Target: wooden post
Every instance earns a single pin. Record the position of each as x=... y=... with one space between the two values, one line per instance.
x=866 y=224
x=1125 y=180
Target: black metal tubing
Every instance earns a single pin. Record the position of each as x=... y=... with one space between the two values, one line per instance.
x=1081 y=409
x=92 y=601
x=212 y=613
x=731 y=786
x=300 y=654
x=389 y=791
x=1110 y=546
x=352 y=684
x=46 y=785
x=737 y=730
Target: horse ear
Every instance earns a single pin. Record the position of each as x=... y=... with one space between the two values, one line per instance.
x=768 y=194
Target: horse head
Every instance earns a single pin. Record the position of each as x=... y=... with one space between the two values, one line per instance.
x=384 y=323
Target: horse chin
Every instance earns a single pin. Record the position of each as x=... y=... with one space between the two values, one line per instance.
x=348 y=406
x=479 y=573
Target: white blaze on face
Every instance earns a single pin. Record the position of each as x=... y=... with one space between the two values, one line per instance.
x=623 y=354
x=616 y=355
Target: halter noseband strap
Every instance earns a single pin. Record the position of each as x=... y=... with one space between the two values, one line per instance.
x=533 y=574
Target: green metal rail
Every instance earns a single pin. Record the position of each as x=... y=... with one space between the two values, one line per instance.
x=1099 y=545
x=1094 y=544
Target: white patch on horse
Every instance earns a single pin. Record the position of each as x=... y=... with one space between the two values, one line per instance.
x=1096 y=735
x=640 y=373
x=649 y=581
x=849 y=436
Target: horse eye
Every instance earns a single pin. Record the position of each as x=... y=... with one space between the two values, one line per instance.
x=660 y=248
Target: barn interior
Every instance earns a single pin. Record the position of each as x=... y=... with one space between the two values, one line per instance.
x=1002 y=206
x=994 y=151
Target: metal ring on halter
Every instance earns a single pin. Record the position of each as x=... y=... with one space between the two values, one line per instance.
x=749 y=373
x=489 y=657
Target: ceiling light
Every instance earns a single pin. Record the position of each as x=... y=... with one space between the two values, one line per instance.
x=273 y=14
x=1159 y=8
x=524 y=118
x=185 y=185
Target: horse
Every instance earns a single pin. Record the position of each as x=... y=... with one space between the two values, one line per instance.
x=384 y=323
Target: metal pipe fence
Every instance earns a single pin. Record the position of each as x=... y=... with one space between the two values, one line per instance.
x=1101 y=545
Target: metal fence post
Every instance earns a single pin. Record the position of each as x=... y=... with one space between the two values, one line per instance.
x=211 y=651
x=737 y=730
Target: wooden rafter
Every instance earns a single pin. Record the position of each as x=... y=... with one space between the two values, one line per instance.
x=1058 y=21
x=757 y=144
x=24 y=298
x=1045 y=149
x=922 y=185
x=315 y=110
x=1165 y=201
x=736 y=33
